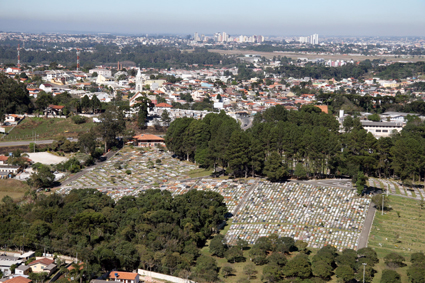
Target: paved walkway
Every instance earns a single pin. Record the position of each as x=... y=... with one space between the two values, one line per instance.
x=364 y=235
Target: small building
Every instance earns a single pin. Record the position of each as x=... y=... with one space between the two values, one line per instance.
x=23 y=270
x=41 y=264
x=146 y=140
x=6 y=262
x=381 y=129
x=13 y=119
x=3 y=159
x=7 y=171
x=55 y=110
x=124 y=277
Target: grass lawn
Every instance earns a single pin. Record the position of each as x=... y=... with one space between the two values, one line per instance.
x=13 y=188
x=200 y=172
x=391 y=233
x=47 y=128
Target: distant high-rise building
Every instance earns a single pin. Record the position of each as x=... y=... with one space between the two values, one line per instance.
x=196 y=37
x=312 y=39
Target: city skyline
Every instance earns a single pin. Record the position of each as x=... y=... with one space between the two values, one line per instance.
x=279 y=18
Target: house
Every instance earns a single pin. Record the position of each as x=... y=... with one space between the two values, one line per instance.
x=42 y=265
x=46 y=87
x=6 y=262
x=124 y=277
x=13 y=119
x=146 y=140
x=23 y=270
x=55 y=110
x=18 y=279
x=7 y=171
x=3 y=159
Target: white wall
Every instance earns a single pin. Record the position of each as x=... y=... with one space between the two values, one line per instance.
x=161 y=276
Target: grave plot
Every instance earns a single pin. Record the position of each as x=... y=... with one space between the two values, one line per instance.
x=232 y=191
x=318 y=215
x=396 y=188
x=129 y=172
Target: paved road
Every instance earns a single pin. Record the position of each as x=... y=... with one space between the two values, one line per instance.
x=364 y=235
x=16 y=143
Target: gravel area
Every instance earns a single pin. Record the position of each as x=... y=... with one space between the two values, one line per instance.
x=46 y=158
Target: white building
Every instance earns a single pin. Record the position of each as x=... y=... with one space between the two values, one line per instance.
x=382 y=129
x=103 y=72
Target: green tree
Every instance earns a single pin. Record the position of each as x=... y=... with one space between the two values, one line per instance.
x=206 y=269
x=217 y=246
x=42 y=179
x=390 y=276
x=374 y=117
x=249 y=270
x=345 y=273
x=165 y=117
x=234 y=254
x=227 y=270
x=85 y=103
x=300 y=171
x=271 y=273
x=237 y=153
x=394 y=260
x=299 y=266
x=361 y=182
x=322 y=269
x=143 y=105
x=112 y=124
x=273 y=167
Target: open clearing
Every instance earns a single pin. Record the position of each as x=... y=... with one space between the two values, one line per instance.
x=13 y=188
x=401 y=234
x=296 y=55
x=47 y=128
x=46 y=158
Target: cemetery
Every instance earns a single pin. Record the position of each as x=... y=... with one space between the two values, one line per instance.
x=318 y=215
x=396 y=188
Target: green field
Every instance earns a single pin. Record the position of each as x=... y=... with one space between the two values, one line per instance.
x=404 y=234
x=47 y=129
x=13 y=188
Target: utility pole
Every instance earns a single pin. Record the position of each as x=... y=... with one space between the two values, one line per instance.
x=388 y=188
x=383 y=196
x=364 y=268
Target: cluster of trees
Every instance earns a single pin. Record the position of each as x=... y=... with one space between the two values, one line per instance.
x=273 y=252
x=153 y=231
x=14 y=97
x=302 y=143
x=393 y=71
x=278 y=140
x=147 y=56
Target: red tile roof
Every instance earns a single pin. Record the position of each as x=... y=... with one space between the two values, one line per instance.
x=4 y=158
x=147 y=137
x=43 y=260
x=18 y=279
x=164 y=105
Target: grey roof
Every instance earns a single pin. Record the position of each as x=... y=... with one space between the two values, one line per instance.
x=50 y=266
x=381 y=124
x=23 y=267
x=391 y=113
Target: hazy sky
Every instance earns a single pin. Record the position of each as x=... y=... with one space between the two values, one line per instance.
x=270 y=17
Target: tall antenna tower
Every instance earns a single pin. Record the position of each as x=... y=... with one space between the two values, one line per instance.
x=78 y=59
x=19 y=56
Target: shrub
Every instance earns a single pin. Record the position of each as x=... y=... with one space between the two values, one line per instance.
x=78 y=119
